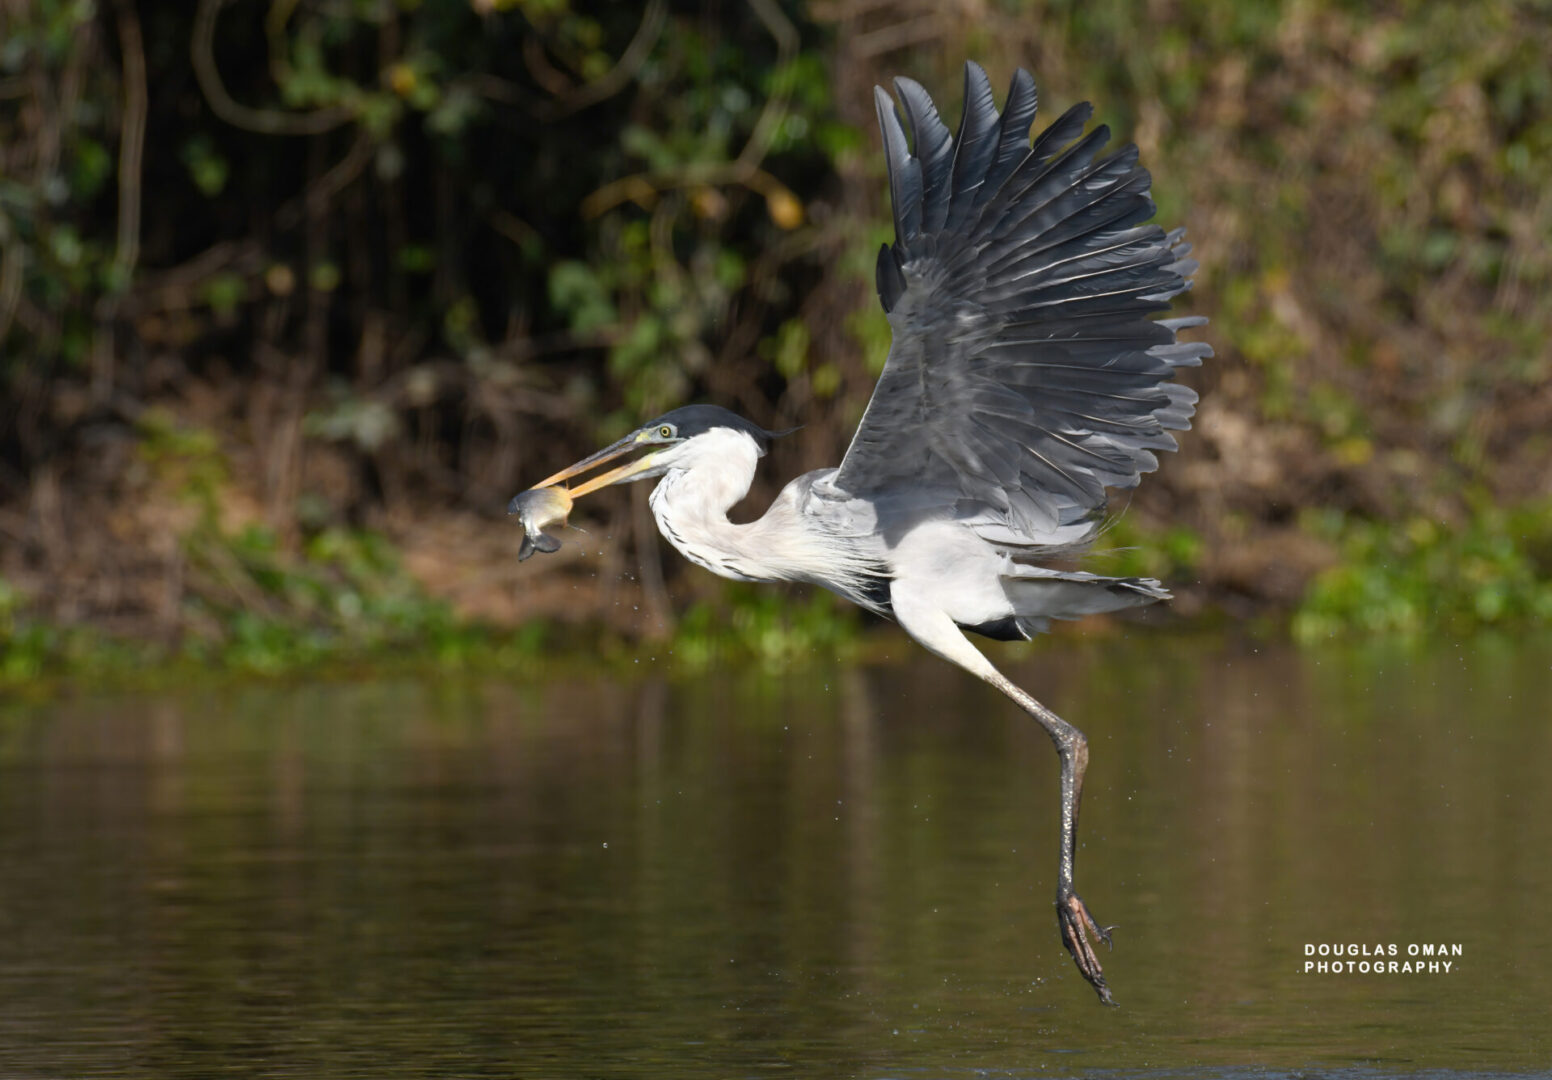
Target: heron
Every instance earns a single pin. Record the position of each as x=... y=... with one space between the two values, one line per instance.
x=1025 y=377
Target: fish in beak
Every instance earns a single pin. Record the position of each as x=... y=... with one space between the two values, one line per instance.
x=538 y=508
x=544 y=504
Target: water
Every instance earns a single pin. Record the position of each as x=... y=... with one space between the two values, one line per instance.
x=844 y=872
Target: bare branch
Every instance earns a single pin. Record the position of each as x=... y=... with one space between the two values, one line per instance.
x=544 y=73
x=315 y=200
x=132 y=132
x=899 y=35
x=275 y=30
x=625 y=68
x=775 y=111
x=264 y=121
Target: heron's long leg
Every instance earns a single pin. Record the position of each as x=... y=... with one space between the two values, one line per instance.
x=1071 y=912
x=935 y=630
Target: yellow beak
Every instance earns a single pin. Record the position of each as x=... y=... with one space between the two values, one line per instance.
x=603 y=480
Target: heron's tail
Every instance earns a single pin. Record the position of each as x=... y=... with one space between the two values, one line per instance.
x=1040 y=595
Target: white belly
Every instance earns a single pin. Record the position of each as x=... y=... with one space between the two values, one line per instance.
x=950 y=568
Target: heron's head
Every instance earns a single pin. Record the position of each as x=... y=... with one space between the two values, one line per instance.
x=679 y=439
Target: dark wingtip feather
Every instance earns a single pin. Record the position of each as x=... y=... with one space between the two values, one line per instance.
x=905 y=185
x=1013 y=131
x=976 y=145
x=1064 y=130
x=933 y=147
x=1023 y=100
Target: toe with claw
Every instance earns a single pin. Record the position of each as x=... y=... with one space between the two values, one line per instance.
x=1076 y=923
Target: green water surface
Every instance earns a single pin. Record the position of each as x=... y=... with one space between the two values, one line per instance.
x=838 y=872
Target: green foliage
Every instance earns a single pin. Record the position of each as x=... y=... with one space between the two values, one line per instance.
x=23 y=645
x=766 y=626
x=207 y=167
x=58 y=259
x=345 y=597
x=583 y=294
x=344 y=602
x=33 y=649
x=188 y=460
x=1496 y=569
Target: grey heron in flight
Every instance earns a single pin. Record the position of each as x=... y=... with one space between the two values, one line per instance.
x=1025 y=377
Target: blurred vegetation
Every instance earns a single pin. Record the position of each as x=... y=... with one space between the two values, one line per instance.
x=1417 y=576
x=294 y=295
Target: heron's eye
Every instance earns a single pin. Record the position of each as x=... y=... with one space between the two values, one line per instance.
x=666 y=431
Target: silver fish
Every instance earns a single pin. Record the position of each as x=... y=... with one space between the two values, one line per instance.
x=537 y=508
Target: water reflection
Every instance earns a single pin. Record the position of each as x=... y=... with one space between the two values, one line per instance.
x=846 y=872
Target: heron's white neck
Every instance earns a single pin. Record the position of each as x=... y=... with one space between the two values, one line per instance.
x=709 y=475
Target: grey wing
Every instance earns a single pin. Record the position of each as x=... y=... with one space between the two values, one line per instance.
x=1025 y=375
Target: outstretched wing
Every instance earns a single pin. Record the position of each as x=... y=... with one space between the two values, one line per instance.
x=1025 y=375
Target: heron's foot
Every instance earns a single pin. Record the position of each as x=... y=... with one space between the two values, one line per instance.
x=1077 y=924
